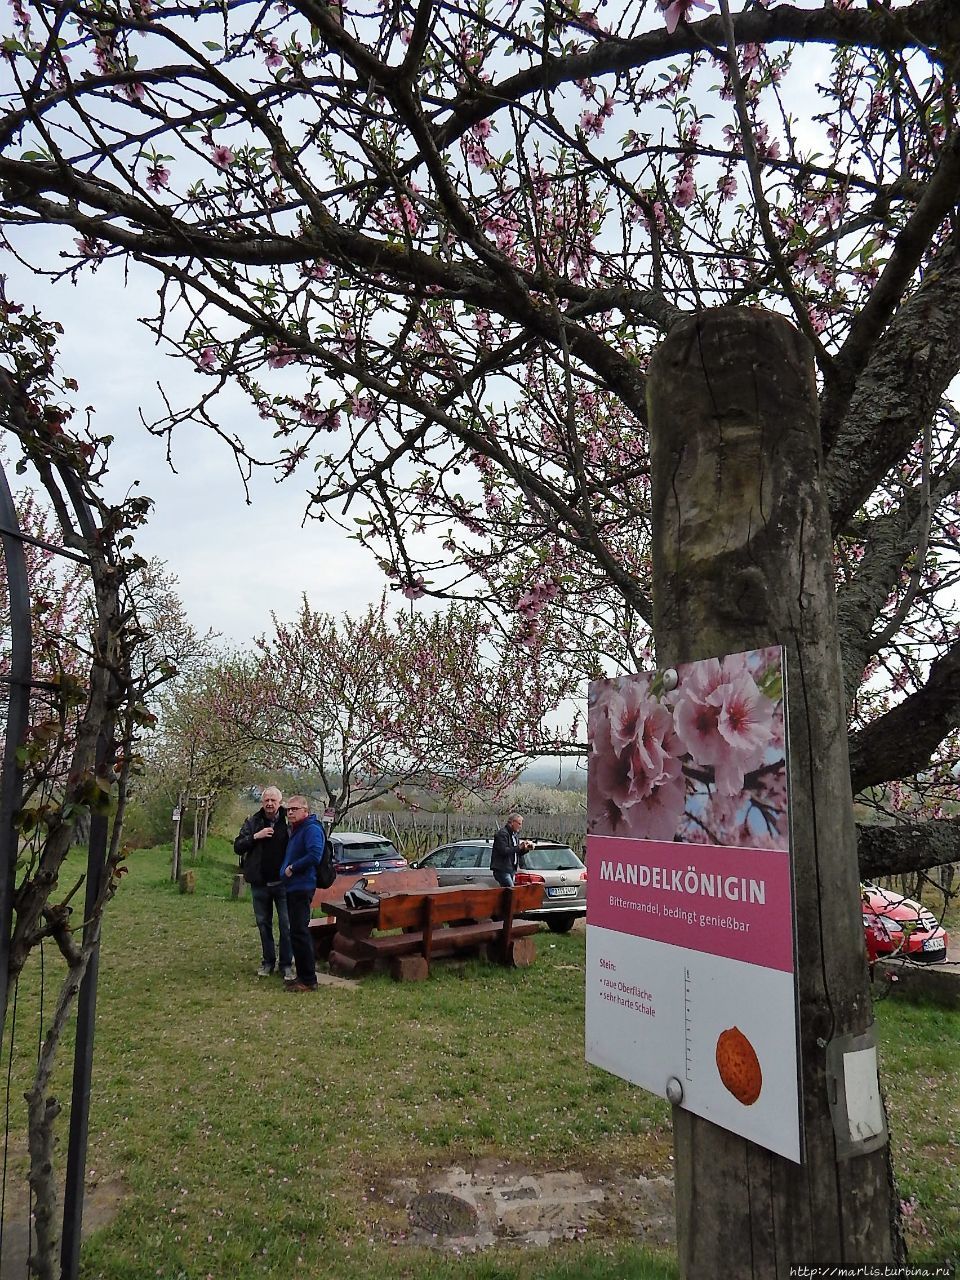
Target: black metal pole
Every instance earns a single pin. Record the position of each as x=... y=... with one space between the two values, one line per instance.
x=87 y=999
x=83 y=1053
x=18 y=713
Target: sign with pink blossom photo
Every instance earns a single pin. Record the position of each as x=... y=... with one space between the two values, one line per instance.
x=690 y=938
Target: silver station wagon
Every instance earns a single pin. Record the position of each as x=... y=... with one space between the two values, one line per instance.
x=556 y=866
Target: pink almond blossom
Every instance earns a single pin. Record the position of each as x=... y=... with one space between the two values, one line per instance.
x=727 y=186
x=685 y=190
x=674 y=10
x=818 y=319
x=318 y=270
x=90 y=247
x=279 y=355
x=158 y=177
x=536 y=598
x=363 y=408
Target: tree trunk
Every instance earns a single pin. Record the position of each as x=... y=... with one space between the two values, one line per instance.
x=742 y=560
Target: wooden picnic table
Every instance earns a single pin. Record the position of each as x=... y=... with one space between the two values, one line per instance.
x=324 y=928
x=411 y=927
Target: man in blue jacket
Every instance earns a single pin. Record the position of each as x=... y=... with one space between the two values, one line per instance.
x=299 y=871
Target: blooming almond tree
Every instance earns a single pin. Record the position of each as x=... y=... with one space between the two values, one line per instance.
x=195 y=749
x=379 y=701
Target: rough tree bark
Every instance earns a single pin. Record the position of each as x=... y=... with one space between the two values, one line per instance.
x=742 y=559
x=908 y=847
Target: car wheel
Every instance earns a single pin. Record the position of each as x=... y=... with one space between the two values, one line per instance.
x=563 y=922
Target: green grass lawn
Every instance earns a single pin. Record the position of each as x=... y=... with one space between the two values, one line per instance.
x=257 y=1134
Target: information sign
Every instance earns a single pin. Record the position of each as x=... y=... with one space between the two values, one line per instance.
x=691 y=987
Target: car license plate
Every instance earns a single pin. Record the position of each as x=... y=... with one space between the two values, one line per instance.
x=562 y=891
x=933 y=944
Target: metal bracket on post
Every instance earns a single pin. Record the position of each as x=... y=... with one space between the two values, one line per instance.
x=853 y=1091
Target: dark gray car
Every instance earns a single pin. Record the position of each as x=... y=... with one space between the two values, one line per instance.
x=563 y=874
x=364 y=853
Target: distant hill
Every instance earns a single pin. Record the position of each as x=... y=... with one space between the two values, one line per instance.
x=565 y=775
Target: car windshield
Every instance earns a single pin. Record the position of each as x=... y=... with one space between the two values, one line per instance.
x=365 y=852
x=551 y=857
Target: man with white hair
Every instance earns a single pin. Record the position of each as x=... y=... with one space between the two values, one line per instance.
x=262 y=843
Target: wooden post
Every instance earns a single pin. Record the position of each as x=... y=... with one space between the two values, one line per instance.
x=177 y=824
x=206 y=821
x=743 y=559
x=413 y=968
x=521 y=953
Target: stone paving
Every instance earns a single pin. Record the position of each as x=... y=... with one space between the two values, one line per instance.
x=463 y=1210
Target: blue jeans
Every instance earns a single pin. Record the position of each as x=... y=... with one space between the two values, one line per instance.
x=265 y=897
x=298 y=904
x=504 y=878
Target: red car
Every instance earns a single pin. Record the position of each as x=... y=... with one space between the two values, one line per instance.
x=898 y=926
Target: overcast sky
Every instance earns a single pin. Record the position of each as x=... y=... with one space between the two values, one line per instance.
x=235 y=563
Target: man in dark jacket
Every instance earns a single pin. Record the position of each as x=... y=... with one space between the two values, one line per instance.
x=300 y=865
x=507 y=848
x=262 y=843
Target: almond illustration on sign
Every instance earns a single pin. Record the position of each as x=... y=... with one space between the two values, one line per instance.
x=739 y=1066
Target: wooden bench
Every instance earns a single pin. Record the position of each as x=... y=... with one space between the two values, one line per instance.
x=448 y=921
x=323 y=928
